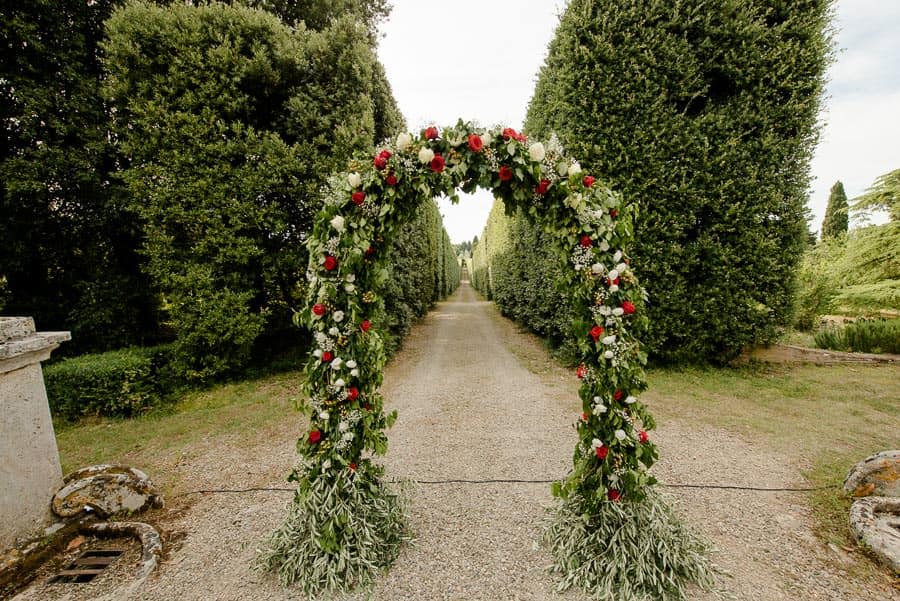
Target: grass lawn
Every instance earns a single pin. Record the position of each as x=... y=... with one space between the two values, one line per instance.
x=241 y=412
x=828 y=417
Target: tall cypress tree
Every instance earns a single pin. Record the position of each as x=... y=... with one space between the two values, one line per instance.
x=704 y=114
x=836 y=214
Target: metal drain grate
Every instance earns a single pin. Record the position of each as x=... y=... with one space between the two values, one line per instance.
x=88 y=565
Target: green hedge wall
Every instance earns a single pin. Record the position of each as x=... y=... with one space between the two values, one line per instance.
x=705 y=116
x=423 y=271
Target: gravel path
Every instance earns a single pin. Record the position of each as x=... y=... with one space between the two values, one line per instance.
x=470 y=408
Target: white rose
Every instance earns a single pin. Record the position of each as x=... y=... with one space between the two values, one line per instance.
x=574 y=169
x=617 y=257
x=604 y=245
x=629 y=400
x=403 y=141
x=620 y=435
x=351 y=364
x=426 y=155
x=613 y=274
x=354 y=373
x=349 y=288
x=339 y=383
x=622 y=267
x=338 y=316
x=333 y=331
x=609 y=339
x=317 y=353
x=351 y=277
x=486 y=139
x=613 y=288
x=562 y=168
x=597 y=268
x=604 y=310
x=337 y=222
x=354 y=180
x=596 y=443
x=599 y=408
x=609 y=354
x=323 y=416
x=618 y=311
x=537 y=152
x=336 y=364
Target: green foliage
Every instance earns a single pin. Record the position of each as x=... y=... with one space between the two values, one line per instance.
x=69 y=237
x=319 y=14
x=421 y=270
x=516 y=266
x=119 y=383
x=338 y=534
x=837 y=213
x=815 y=288
x=705 y=116
x=884 y=195
x=862 y=336
x=633 y=551
x=231 y=122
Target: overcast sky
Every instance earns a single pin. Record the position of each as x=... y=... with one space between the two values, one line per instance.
x=478 y=60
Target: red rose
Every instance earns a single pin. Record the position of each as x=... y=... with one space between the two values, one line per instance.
x=614 y=282
x=365 y=325
x=581 y=371
x=475 y=143
x=584 y=416
x=613 y=494
x=318 y=309
x=327 y=356
x=381 y=160
x=588 y=181
x=511 y=133
x=330 y=263
x=613 y=213
x=358 y=198
x=431 y=133
x=437 y=163
x=602 y=452
x=505 y=173
x=352 y=467
x=628 y=307
x=596 y=332
x=586 y=241
x=643 y=436
x=391 y=180
x=618 y=395
x=352 y=393
x=315 y=436
x=543 y=186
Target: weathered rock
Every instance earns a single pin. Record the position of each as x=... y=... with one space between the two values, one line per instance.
x=876 y=523
x=877 y=475
x=107 y=490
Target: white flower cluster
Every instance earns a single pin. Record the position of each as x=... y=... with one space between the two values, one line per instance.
x=323 y=343
x=582 y=257
x=332 y=245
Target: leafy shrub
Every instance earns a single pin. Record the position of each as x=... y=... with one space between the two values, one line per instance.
x=862 y=336
x=116 y=383
x=704 y=115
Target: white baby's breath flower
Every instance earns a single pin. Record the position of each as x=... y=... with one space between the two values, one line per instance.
x=337 y=222
x=403 y=141
x=537 y=152
x=620 y=435
x=574 y=169
x=338 y=316
x=354 y=180
x=342 y=427
x=426 y=155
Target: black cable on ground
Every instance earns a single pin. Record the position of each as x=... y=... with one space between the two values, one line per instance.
x=518 y=481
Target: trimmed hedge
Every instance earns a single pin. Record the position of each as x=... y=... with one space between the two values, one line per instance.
x=119 y=383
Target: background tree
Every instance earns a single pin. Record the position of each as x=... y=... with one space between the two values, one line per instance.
x=230 y=121
x=705 y=116
x=837 y=213
x=884 y=195
x=69 y=237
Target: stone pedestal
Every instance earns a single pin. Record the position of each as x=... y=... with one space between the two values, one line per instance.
x=29 y=461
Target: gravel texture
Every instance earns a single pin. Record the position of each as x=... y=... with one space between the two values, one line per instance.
x=471 y=409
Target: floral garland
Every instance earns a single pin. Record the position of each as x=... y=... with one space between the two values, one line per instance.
x=362 y=210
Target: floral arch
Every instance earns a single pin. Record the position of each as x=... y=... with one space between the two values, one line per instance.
x=346 y=522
